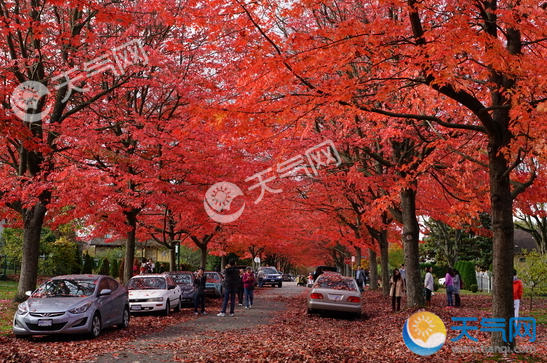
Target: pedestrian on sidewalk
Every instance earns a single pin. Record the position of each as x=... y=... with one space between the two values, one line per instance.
x=199 y=295
x=428 y=286
x=360 y=278
x=449 y=284
x=249 y=286
x=260 y=276
x=231 y=283
x=240 y=289
x=518 y=291
x=458 y=284
x=396 y=292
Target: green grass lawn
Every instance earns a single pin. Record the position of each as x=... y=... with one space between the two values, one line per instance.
x=7 y=308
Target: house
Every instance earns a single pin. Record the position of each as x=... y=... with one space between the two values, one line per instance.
x=145 y=249
x=523 y=242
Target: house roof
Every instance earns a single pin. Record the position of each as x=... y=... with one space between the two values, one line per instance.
x=524 y=241
x=121 y=242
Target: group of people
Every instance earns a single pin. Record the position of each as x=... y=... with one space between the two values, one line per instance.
x=146 y=266
x=238 y=283
x=233 y=280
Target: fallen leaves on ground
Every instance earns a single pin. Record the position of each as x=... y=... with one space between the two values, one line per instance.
x=293 y=336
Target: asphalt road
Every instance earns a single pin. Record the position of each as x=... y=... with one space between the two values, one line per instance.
x=145 y=348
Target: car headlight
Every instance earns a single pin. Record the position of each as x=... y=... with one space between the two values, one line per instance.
x=22 y=309
x=80 y=309
x=155 y=299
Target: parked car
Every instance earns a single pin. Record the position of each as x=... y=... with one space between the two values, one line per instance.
x=272 y=277
x=214 y=285
x=333 y=292
x=73 y=304
x=153 y=292
x=185 y=280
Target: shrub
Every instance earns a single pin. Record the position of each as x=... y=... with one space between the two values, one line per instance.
x=474 y=288
x=104 y=269
x=114 y=268
x=89 y=264
x=61 y=258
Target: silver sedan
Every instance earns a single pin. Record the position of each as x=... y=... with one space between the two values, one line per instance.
x=73 y=304
x=335 y=293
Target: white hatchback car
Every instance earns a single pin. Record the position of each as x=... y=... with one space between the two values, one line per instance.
x=153 y=292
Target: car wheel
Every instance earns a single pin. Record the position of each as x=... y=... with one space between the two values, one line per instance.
x=95 y=326
x=167 y=308
x=178 y=308
x=21 y=336
x=125 y=318
x=280 y=284
x=310 y=311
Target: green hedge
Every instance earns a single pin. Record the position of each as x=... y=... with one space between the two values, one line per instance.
x=467 y=272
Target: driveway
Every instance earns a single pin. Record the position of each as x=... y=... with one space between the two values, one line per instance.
x=155 y=347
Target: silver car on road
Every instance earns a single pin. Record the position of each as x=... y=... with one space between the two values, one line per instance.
x=335 y=293
x=73 y=304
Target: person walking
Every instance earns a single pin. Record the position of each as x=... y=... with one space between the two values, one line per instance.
x=240 y=288
x=518 y=291
x=199 y=295
x=260 y=276
x=428 y=286
x=396 y=292
x=231 y=283
x=249 y=286
x=458 y=284
x=318 y=272
x=449 y=284
x=360 y=278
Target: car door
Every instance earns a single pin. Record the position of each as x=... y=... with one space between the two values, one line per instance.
x=118 y=301
x=174 y=294
x=106 y=303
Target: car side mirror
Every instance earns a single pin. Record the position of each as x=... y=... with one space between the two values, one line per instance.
x=105 y=292
x=28 y=293
x=171 y=287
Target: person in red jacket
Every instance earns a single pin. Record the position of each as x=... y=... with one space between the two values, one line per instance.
x=518 y=290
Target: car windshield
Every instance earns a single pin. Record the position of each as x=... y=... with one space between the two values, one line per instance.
x=147 y=283
x=212 y=276
x=66 y=288
x=182 y=279
x=269 y=270
x=335 y=282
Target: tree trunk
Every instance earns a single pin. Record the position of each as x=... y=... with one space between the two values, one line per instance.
x=203 y=249
x=173 y=259
x=411 y=234
x=33 y=220
x=384 y=261
x=373 y=263
x=131 y=221
x=357 y=257
x=503 y=245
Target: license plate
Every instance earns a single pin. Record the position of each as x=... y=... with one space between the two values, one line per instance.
x=135 y=307
x=335 y=297
x=45 y=322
